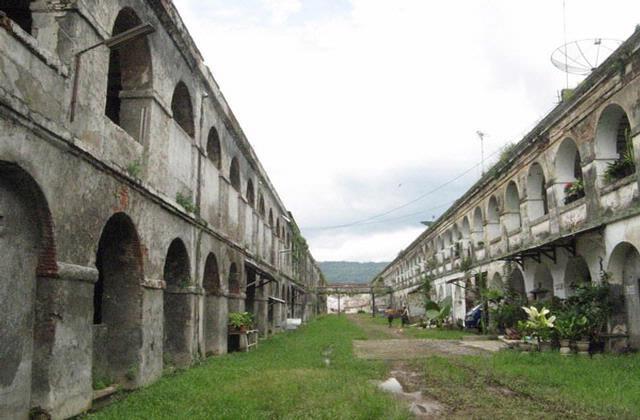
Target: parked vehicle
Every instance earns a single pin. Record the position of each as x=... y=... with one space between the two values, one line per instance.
x=473 y=318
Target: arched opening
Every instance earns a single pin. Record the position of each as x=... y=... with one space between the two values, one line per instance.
x=569 y=172
x=117 y=301
x=496 y=282
x=512 y=207
x=182 y=109
x=291 y=294
x=465 y=228
x=234 y=174
x=542 y=284
x=211 y=278
x=610 y=132
x=261 y=208
x=614 y=148
x=536 y=193
x=576 y=272
x=213 y=288
x=129 y=70
x=234 y=279
x=251 y=195
x=465 y=235
x=28 y=253
x=250 y=292
x=516 y=283
x=177 y=305
x=624 y=266
x=270 y=220
x=271 y=290
x=493 y=218
x=213 y=147
x=478 y=229
x=19 y=12
x=277 y=227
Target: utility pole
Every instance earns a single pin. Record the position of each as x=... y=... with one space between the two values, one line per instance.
x=481 y=135
x=373 y=303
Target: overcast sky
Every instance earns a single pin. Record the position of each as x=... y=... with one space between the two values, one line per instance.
x=355 y=107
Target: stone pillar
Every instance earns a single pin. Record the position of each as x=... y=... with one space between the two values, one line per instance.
x=151 y=364
x=215 y=324
x=63 y=341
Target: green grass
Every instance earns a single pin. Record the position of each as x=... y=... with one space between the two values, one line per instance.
x=547 y=385
x=285 y=378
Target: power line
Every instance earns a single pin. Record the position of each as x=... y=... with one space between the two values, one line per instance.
x=393 y=219
x=420 y=197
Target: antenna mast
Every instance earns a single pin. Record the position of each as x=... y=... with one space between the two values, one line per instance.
x=481 y=136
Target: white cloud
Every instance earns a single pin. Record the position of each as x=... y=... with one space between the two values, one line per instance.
x=338 y=105
x=281 y=9
x=378 y=246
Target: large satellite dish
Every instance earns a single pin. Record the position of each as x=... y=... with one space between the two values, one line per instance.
x=583 y=56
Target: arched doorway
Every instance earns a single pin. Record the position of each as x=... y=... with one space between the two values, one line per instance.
x=536 y=193
x=512 y=207
x=182 y=109
x=177 y=305
x=542 y=284
x=577 y=272
x=613 y=144
x=129 y=71
x=235 y=289
x=624 y=266
x=28 y=251
x=516 y=283
x=496 y=282
x=118 y=303
x=214 y=328
x=568 y=166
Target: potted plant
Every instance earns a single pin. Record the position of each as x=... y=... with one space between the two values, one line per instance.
x=540 y=325
x=573 y=191
x=569 y=327
x=624 y=165
x=524 y=332
x=240 y=321
x=594 y=304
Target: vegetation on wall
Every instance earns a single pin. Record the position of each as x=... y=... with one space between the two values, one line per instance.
x=623 y=166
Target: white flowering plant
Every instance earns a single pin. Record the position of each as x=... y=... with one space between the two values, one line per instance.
x=539 y=323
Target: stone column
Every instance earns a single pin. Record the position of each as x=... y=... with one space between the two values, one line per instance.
x=63 y=341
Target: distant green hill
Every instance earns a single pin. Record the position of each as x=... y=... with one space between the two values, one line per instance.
x=350 y=272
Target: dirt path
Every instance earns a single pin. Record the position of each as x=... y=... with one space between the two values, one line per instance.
x=386 y=343
x=407 y=380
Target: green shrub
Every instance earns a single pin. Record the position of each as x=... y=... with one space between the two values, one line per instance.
x=240 y=320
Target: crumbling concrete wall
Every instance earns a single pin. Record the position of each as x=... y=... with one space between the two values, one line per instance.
x=143 y=168
x=519 y=222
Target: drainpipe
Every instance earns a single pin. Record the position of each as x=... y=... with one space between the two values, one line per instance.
x=200 y=299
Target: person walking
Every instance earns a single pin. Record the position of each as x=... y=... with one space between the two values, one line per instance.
x=405 y=315
x=389 y=313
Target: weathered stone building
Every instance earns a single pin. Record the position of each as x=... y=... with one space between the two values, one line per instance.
x=134 y=213
x=560 y=207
